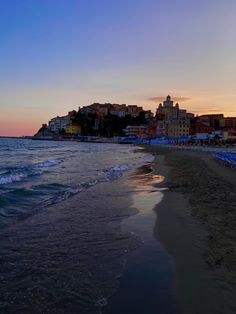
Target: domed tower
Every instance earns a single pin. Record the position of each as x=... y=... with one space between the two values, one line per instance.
x=168 y=103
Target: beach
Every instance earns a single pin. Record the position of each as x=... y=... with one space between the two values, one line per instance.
x=190 y=229
x=196 y=223
x=61 y=208
x=146 y=282
x=115 y=229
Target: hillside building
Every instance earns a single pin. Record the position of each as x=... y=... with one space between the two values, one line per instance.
x=228 y=123
x=140 y=131
x=171 y=120
x=73 y=128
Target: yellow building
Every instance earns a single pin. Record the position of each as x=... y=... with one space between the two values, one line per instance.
x=177 y=128
x=171 y=120
x=73 y=128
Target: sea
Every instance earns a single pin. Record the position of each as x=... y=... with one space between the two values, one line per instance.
x=63 y=244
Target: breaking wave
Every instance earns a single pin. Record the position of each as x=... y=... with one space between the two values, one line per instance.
x=10 y=178
x=113 y=173
x=71 y=253
x=48 y=163
x=14 y=177
x=14 y=174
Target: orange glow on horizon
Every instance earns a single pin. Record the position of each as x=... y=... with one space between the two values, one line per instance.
x=18 y=128
x=26 y=122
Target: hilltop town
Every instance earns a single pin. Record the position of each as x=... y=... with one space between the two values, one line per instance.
x=170 y=123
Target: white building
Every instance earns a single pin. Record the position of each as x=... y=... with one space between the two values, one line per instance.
x=58 y=123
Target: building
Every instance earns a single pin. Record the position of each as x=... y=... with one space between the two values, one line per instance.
x=229 y=135
x=140 y=131
x=122 y=110
x=161 y=128
x=57 y=124
x=171 y=120
x=197 y=127
x=148 y=114
x=73 y=128
x=167 y=110
x=212 y=120
x=152 y=127
x=134 y=110
x=228 y=123
x=118 y=110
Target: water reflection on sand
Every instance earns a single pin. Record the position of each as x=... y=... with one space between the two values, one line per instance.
x=146 y=193
x=146 y=285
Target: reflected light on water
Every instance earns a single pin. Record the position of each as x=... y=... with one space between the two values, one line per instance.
x=146 y=192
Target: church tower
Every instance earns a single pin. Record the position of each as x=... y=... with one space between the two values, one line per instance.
x=168 y=103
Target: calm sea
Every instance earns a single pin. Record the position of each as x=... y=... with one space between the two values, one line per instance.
x=61 y=204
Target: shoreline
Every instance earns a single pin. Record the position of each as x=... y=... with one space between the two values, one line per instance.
x=190 y=216
x=183 y=228
x=146 y=282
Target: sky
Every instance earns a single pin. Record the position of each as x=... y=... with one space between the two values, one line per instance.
x=58 y=55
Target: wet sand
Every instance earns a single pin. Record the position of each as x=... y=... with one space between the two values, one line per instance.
x=186 y=263
x=196 y=223
x=68 y=257
x=146 y=284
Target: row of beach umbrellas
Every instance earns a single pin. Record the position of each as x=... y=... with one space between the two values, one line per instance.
x=228 y=158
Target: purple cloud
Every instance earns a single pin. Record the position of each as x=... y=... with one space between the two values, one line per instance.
x=176 y=99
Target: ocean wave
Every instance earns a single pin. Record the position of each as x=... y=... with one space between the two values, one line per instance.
x=19 y=173
x=46 y=195
x=13 y=177
x=63 y=196
x=48 y=163
x=147 y=158
x=122 y=167
x=10 y=178
x=71 y=191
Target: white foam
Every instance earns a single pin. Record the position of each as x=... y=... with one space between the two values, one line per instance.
x=64 y=196
x=123 y=167
x=146 y=158
x=48 y=163
x=75 y=190
x=92 y=183
x=7 y=179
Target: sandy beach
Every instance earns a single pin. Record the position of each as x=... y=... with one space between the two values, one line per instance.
x=196 y=223
x=126 y=233
x=146 y=283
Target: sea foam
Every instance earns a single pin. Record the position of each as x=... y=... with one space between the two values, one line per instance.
x=10 y=178
x=48 y=163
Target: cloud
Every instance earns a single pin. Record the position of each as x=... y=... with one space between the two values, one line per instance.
x=161 y=98
x=209 y=110
x=204 y=110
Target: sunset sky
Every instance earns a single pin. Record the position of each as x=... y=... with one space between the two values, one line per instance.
x=56 y=55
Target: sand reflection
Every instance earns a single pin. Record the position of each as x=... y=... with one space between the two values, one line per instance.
x=144 y=184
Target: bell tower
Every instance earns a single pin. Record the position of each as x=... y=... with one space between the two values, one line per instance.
x=168 y=103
